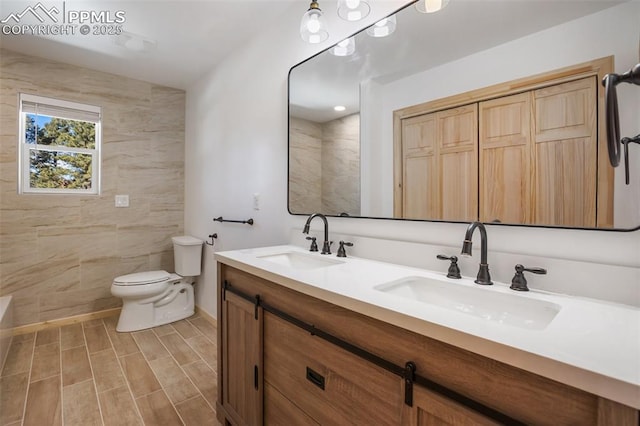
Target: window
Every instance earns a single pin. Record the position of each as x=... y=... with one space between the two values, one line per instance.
x=59 y=146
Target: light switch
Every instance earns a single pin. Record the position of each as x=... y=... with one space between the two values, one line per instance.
x=122 y=200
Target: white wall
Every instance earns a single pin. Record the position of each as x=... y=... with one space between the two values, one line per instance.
x=236 y=140
x=236 y=145
x=613 y=31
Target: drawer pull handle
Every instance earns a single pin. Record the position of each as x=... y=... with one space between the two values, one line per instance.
x=315 y=378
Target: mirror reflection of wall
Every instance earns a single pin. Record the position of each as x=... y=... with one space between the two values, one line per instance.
x=468 y=46
x=324 y=169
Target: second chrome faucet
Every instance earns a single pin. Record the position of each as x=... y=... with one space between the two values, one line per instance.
x=326 y=245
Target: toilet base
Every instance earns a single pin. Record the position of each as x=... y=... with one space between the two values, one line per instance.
x=173 y=305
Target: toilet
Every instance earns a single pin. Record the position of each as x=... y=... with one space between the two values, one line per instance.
x=154 y=298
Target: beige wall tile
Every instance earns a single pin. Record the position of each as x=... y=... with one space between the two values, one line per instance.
x=60 y=253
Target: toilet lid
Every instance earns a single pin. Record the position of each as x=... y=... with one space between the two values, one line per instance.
x=140 y=278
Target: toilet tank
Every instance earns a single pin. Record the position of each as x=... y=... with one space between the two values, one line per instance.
x=187 y=255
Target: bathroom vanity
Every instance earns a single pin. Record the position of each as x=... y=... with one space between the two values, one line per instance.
x=309 y=339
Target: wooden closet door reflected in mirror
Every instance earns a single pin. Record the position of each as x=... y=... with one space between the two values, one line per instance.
x=526 y=158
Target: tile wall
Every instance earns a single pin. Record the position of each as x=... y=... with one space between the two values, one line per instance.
x=60 y=253
x=324 y=166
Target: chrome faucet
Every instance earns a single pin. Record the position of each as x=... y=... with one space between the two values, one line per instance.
x=483 y=277
x=326 y=245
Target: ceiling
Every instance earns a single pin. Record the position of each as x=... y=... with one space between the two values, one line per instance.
x=187 y=38
x=421 y=42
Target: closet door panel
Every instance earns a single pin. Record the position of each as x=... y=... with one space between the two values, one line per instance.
x=565 y=134
x=420 y=187
x=505 y=159
x=458 y=162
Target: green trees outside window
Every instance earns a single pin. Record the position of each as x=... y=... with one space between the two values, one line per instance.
x=56 y=167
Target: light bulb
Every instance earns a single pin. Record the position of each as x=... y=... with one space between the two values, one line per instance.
x=345 y=47
x=313 y=25
x=431 y=6
x=383 y=27
x=353 y=10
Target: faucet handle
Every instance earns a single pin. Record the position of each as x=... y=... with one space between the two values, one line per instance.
x=519 y=282
x=341 y=251
x=314 y=245
x=454 y=270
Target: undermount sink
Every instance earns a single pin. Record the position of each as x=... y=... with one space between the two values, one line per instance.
x=511 y=309
x=298 y=260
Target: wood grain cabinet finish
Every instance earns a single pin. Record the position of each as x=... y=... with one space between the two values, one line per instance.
x=297 y=365
x=529 y=157
x=241 y=343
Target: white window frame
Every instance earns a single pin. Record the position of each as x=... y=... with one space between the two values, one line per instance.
x=59 y=109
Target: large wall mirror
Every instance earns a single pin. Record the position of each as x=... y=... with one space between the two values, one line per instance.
x=486 y=110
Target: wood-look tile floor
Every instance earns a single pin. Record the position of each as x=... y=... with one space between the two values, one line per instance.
x=88 y=374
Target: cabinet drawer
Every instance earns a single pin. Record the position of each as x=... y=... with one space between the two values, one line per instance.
x=278 y=410
x=329 y=384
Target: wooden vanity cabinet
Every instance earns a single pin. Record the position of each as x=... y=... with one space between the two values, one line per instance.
x=241 y=343
x=294 y=365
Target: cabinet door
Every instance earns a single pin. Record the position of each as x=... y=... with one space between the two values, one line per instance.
x=505 y=160
x=242 y=360
x=431 y=409
x=565 y=136
x=328 y=384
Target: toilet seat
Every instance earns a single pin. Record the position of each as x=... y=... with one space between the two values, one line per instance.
x=142 y=278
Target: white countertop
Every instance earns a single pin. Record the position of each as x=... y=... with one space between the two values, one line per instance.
x=591 y=345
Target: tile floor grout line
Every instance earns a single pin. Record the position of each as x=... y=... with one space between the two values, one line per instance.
x=26 y=397
x=156 y=376
x=93 y=376
x=4 y=362
x=215 y=370
x=124 y=376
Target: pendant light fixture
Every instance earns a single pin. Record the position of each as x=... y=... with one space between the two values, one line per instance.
x=383 y=27
x=313 y=28
x=353 y=10
x=345 y=47
x=431 y=6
